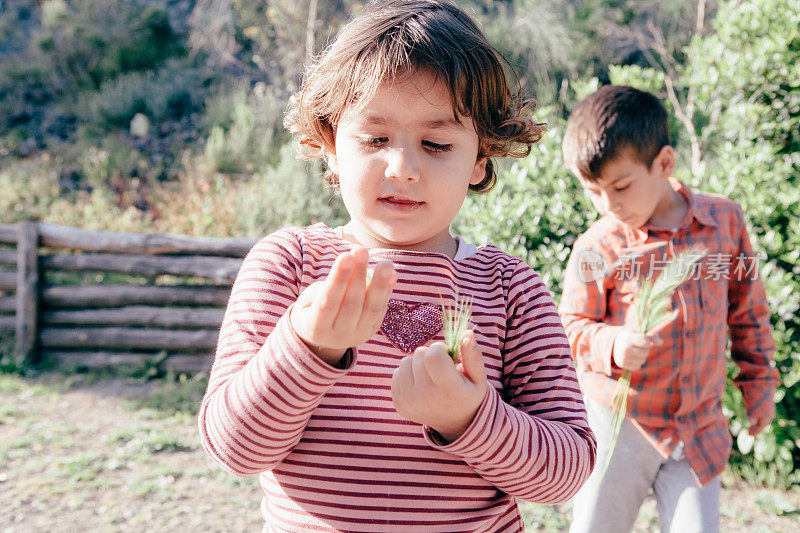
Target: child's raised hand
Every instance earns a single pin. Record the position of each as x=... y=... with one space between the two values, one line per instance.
x=631 y=348
x=345 y=309
x=429 y=389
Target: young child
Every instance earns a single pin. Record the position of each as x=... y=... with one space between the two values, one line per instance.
x=675 y=437
x=333 y=385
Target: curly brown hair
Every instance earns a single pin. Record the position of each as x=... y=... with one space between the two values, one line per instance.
x=392 y=38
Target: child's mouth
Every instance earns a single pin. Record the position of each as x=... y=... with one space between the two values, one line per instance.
x=402 y=204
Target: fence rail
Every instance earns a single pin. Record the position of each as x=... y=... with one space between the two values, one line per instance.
x=172 y=319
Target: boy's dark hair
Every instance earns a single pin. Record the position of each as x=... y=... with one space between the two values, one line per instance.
x=398 y=37
x=613 y=119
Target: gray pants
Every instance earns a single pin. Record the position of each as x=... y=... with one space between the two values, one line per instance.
x=611 y=504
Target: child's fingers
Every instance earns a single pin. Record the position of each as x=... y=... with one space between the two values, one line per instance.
x=439 y=367
x=378 y=294
x=472 y=359
x=757 y=424
x=658 y=333
x=637 y=340
x=402 y=383
x=353 y=299
x=655 y=341
x=382 y=275
x=419 y=363
x=330 y=298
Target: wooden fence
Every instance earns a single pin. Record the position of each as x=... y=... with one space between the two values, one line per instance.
x=167 y=308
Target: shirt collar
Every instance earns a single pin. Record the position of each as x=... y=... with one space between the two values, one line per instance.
x=698 y=210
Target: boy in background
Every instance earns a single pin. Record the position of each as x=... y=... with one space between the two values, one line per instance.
x=675 y=438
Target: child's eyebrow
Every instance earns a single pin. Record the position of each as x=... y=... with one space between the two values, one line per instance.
x=433 y=124
x=591 y=186
x=443 y=124
x=614 y=181
x=619 y=178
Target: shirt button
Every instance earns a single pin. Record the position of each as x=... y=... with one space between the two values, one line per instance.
x=689 y=334
x=685 y=379
x=681 y=419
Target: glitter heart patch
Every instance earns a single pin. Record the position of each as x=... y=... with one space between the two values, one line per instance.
x=409 y=326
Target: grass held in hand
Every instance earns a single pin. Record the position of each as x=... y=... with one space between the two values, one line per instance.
x=455 y=322
x=652 y=307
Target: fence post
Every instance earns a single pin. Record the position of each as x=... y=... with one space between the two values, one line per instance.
x=27 y=318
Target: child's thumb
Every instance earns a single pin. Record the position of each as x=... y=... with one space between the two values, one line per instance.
x=472 y=358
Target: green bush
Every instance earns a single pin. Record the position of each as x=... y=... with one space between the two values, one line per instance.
x=746 y=75
x=31 y=191
x=86 y=42
x=536 y=211
x=245 y=126
x=289 y=193
x=172 y=91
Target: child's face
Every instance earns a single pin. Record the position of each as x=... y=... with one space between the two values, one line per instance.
x=405 y=164
x=629 y=191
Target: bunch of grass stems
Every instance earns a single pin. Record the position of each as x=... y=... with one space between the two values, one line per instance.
x=455 y=322
x=652 y=307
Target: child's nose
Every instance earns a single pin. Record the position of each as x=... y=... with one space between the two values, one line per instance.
x=401 y=165
x=608 y=203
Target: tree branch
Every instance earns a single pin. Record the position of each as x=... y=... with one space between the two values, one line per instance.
x=311 y=27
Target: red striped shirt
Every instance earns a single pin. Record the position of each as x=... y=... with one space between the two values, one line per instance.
x=333 y=453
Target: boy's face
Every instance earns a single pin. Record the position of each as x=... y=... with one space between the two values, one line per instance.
x=629 y=191
x=405 y=164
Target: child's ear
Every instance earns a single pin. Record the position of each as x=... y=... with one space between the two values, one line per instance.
x=665 y=161
x=479 y=171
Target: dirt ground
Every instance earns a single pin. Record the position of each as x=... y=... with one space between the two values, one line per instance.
x=81 y=453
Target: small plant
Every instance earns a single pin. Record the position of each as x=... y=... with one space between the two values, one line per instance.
x=455 y=322
x=652 y=308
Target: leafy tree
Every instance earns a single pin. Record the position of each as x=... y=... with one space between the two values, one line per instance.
x=746 y=78
x=279 y=35
x=536 y=211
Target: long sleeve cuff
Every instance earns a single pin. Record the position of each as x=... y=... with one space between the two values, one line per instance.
x=602 y=346
x=313 y=375
x=478 y=441
x=758 y=398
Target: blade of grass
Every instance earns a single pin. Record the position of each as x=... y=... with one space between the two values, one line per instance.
x=455 y=322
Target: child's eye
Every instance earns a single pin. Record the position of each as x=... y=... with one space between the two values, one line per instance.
x=620 y=189
x=436 y=147
x=372 y=142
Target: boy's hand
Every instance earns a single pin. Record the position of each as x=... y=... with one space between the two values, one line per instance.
x=631 y=348
x=344 y=310
x=757 y=424
x=429 y=389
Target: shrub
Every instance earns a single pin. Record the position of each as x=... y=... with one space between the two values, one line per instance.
x=172 y=91
x=86 y=42
x=536 y=211
x=746 y=77
x=291 y=192
x=31 y=191
x=246 y=125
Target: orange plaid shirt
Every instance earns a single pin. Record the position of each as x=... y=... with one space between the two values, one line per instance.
x=677 y=395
